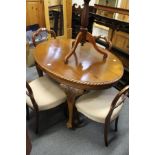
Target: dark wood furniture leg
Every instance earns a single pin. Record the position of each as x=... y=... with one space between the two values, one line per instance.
x=27 y=113
x=106 y=128
x=78 y=121
x=28 y=144
x=37 y=121
x=39 y=71
x=116 y=123
x=72 y=94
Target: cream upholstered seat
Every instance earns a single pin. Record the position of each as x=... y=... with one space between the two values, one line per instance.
x=43 y=94
x=47 y=93
x=96 y=104
x=103 y=106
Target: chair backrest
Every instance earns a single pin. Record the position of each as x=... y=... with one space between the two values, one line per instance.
x=117 y=101
x=36 y=33
x=29 y=92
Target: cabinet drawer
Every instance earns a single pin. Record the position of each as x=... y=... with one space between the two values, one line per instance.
x=35 y=13
x=32 y=12
x=121 y=40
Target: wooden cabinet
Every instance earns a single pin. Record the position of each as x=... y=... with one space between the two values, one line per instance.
x=35 y=12
x=125 y=5
x=121 y=40
x=111 y=3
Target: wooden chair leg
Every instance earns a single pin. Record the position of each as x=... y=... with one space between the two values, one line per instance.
x=106 y=128
x=27 y=113
x=37 y=122
x=39 y=71
x=116 y=122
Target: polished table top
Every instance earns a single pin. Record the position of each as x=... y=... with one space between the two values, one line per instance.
x=90 y=72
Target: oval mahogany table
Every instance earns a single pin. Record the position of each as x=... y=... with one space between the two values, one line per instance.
x=87 y=71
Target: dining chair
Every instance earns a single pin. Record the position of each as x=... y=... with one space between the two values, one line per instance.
x=103 y=106
x=43 y=94
x=42 y=37
x=34 y=39
x=39 y=32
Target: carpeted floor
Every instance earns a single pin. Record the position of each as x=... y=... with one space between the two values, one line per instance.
x=55 y=139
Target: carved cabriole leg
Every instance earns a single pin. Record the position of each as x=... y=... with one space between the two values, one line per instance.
x=39 y=71
x=116 y=123
x=91 y=39
x=74 y=45
x=72 y=94
x=75 y=56
x=106 y=39
x=76 y=59
x=78 y=39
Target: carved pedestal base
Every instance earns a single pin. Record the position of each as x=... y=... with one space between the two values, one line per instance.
x=78 y=39
x=72 y=95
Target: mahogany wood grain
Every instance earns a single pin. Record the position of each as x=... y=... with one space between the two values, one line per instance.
x=90 y=72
